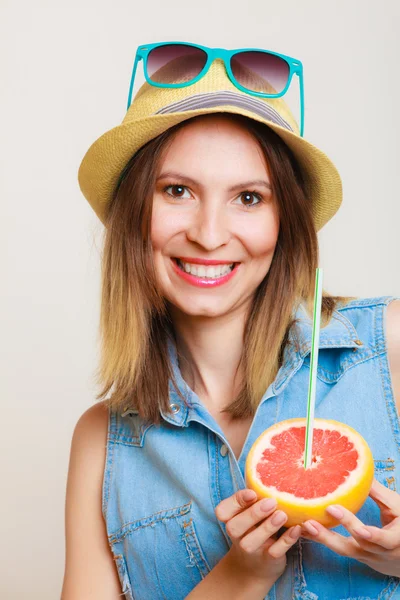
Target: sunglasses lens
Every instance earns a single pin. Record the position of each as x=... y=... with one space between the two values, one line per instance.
x=175 y=63
x=260 y=71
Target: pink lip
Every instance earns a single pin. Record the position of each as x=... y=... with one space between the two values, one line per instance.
x=204 y=281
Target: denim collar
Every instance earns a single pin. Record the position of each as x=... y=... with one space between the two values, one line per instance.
x=339 y=333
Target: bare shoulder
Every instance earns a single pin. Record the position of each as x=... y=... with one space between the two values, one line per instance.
x=90 y=571
x=393 y=346
x=93 y=424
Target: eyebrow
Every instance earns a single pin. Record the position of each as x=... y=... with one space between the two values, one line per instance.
x=237 y=186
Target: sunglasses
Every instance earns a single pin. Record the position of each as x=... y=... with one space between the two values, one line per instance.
x=271 y=73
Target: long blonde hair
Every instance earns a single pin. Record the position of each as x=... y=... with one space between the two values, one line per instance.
x=134 y=318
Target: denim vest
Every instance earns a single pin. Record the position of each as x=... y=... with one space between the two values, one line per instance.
x=162 y=482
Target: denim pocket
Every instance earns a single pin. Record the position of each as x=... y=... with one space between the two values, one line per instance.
x=321 y=574
x=162 y=553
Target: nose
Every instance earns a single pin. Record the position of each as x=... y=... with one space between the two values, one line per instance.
x=209 y=227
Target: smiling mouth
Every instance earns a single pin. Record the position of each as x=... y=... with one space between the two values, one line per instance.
x=205 y=271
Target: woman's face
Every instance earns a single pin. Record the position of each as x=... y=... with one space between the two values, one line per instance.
x=212 y=202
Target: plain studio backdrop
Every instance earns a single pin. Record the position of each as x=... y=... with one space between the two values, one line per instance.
x=65 y=72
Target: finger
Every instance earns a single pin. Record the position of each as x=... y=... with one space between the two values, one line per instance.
x=256 y=538
x=231 y=506
x=384 y=539
x=385 y=497
x=286 y=541
x=247 y=519
x=370 y=538
x=344 y=546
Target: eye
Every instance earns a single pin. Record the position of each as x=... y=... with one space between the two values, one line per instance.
x=177 y=191
x=247 y=198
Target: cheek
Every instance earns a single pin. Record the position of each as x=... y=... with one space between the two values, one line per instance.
x=163 y=226
x=261 y=235
x=157 y=234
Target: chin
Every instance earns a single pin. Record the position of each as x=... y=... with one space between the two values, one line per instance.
x=201 y=311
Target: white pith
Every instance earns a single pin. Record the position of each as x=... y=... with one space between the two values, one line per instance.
x=355 y=476
x=212 y=272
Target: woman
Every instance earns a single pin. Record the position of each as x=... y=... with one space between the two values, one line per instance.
x=211 y=202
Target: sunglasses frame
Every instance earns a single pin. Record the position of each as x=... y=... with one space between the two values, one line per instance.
x=295 y=68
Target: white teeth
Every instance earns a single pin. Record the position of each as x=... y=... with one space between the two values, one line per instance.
x=213 y=272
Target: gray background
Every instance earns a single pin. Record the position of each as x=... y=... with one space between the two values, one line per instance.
x=65 y=71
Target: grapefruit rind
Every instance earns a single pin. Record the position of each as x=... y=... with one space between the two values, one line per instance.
x=351 y=494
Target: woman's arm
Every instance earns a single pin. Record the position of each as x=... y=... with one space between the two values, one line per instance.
x=90 y=571
x=227 y=582
x=393 y=345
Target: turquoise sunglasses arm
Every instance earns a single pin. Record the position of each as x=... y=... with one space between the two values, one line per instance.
x=301 y=86
x=138 y=57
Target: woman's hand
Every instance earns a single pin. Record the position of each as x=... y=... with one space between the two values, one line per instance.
x=251 y=526
x=377 y=548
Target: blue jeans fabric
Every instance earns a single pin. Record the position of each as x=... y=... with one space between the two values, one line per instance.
x=162 y=483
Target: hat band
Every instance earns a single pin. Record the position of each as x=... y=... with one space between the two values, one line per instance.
x=214 y=99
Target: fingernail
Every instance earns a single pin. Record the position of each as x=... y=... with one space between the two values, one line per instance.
x=267 y=504
x=362 y=532
x=310 y=528
x=295 y=532
x=249 y=495
x=335 y=511
x=279 y=518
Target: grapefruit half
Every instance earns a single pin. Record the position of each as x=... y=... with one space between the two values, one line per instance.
x=341 y=471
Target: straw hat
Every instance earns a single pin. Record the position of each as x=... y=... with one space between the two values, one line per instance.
x=154 y=110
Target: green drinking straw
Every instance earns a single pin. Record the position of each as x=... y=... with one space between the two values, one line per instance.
x=313 y=368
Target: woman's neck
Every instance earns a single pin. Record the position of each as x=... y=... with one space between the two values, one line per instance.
x=209 y=351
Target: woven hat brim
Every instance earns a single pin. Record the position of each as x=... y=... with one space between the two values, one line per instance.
x=104 y=161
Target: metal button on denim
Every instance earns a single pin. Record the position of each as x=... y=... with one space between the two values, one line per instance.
x=224 y=450
x=175 y=408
